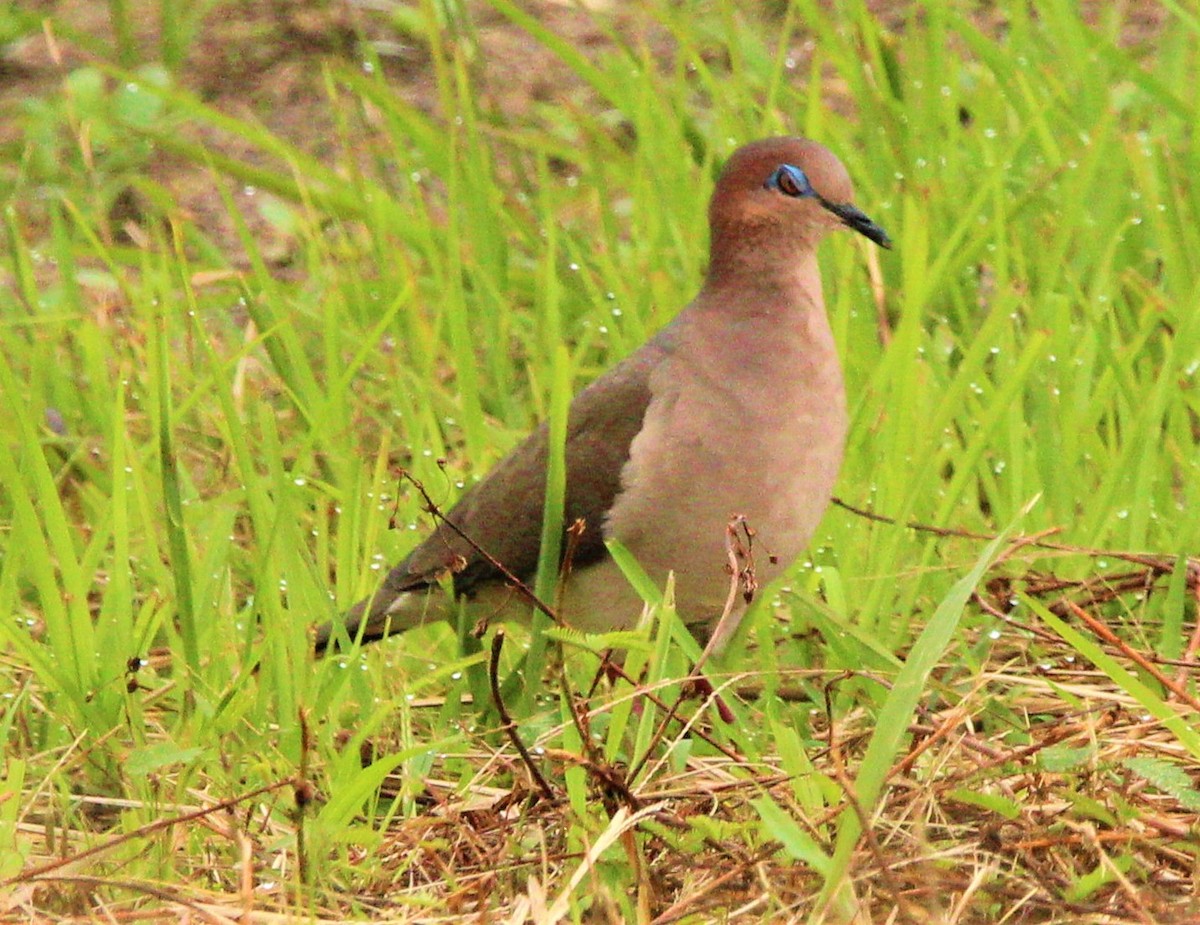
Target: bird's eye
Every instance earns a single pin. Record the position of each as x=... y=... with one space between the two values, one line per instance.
x=791 y=181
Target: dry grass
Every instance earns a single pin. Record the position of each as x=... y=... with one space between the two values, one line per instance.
x=1035 y=791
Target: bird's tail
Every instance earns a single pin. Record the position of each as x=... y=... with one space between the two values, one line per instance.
x=384 y=614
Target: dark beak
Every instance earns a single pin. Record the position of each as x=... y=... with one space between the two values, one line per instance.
x=852 y=217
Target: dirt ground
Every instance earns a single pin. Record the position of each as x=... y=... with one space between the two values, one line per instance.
x=263 y=61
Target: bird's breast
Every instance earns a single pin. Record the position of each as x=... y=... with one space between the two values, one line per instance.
x=752 y=430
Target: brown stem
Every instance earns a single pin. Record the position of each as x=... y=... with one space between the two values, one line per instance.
x=507 y=722
x=523 y=589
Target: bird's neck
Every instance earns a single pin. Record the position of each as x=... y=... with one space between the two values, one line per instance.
x=786 y=291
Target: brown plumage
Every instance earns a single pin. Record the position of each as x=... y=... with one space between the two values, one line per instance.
x=736 y=407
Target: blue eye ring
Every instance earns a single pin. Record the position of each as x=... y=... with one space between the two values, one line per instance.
x=791 y=181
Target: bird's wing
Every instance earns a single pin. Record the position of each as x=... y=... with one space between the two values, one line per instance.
x=503 y=513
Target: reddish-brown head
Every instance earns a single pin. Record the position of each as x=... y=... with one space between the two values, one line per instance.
x=782 y=195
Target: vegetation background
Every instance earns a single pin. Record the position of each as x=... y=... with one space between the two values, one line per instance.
x=259 y=259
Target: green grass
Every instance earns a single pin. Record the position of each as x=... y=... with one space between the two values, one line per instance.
x=202 y=440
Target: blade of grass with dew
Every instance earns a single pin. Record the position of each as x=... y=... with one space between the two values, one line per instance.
x=987 y=419
x=116 y=606
x=575 y=775
x=269 y=310
x=633 y=572
x=798 y=844
x=638 y=659
x=168 y=460
x=892 y=724
x=850 y=643
x=457 y=308
x=659 y=674
x=27 y=548
x=357 y=785
x=1184 y=729
x=1170 y=644
x=813 y=790
x=548 y=570
x=50 y=553
x=267 y=497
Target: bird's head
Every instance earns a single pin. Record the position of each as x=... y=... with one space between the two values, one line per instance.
x=784 y=194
